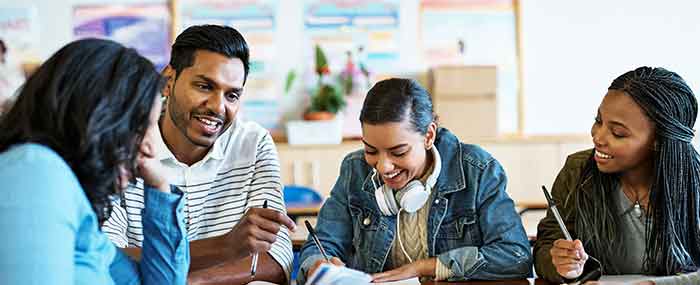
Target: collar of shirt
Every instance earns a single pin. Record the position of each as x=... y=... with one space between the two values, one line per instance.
x=215 y=152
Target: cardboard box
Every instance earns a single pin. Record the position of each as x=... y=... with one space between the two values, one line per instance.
x=463 y=81
x=473 y=117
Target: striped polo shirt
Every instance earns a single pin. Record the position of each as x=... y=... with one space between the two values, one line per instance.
x=240 y=171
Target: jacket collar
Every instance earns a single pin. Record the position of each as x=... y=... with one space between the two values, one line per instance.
x=451 y=177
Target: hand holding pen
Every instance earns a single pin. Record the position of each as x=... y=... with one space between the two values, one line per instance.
x=254 y=262
x=326 y=259
x=255 y=232
x=568 y=256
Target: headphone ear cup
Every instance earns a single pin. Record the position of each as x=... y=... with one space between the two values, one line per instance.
x=412 y=197
x=390 y=200
x=385 y=200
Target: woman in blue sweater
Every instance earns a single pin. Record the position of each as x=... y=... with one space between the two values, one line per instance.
x=77 y=134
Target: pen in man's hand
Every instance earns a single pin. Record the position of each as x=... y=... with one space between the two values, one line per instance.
x=316 y=240
x=254 y=263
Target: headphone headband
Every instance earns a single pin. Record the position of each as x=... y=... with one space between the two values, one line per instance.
x=437 y=162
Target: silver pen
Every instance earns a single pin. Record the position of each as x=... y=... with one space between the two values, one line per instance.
x=254 y=262
x=553 y=207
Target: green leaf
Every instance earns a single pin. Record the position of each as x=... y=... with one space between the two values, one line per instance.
x=289 y=82
x=321 y=60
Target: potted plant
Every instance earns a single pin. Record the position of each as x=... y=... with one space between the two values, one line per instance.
x=326 y=99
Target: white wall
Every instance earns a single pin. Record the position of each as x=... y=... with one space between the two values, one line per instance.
x=572 y=50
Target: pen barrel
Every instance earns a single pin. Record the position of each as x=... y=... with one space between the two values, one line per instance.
x=320 y=248
x=560 y=221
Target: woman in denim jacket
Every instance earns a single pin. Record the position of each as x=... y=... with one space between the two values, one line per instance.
x=467 y=228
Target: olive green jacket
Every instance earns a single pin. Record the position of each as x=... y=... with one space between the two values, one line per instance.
x=548 y=229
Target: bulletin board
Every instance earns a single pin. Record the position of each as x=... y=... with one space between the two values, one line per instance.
x=339 y=26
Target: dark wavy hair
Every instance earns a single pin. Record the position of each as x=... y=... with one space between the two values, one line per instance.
x=672 y=226
x=395 y=99
x=220 y=39
x=90 y=103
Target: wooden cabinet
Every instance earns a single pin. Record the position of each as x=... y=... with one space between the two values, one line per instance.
x=531 y=163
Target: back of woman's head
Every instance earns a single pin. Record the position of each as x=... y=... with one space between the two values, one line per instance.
x=395 y=100
x=90 y=102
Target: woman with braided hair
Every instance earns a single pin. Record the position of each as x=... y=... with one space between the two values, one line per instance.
x=632 y=201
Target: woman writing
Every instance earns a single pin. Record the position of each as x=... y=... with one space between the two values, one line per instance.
x=417 y=202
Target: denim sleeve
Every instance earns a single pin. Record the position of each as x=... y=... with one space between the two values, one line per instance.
x=165 y=256
x=334 y=225
x=505 y=251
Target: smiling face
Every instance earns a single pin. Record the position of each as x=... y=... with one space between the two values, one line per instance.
x=397 y=151
x=623 y=135
x=203 y=101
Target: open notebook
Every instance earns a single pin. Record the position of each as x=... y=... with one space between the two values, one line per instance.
x=328 y=274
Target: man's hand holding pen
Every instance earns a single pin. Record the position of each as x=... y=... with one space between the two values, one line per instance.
x=255 y=232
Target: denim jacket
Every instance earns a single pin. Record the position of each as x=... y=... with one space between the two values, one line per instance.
x=473 y=227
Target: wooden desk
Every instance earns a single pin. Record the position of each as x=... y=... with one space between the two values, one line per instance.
x=307 y=210
x=529 y=281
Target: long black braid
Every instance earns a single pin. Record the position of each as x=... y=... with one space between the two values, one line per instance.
x=672 y=224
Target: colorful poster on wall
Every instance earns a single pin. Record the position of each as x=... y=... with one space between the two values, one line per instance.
x=475 y=32
x=369 y=28
x=145 y=28
x=20 y=32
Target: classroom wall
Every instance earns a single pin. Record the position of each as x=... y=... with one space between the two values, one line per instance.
x=571 y=50
x=55 y=31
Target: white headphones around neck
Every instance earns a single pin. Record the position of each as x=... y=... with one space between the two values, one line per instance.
x=412 y=196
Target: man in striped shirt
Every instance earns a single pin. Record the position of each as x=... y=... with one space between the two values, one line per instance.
x=227 y=168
